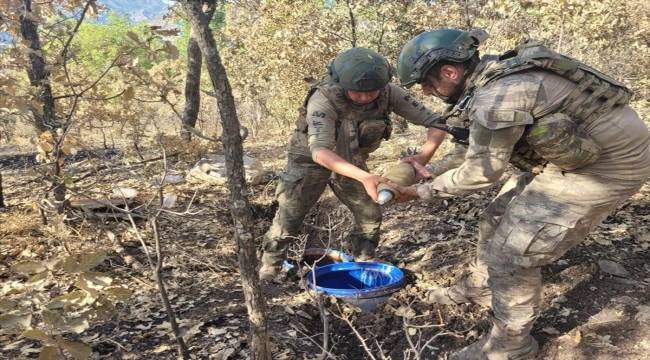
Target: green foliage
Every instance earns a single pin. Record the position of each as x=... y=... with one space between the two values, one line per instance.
x=64 y=296
x=97 y=45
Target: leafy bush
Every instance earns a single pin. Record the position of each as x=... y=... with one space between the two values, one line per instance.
x=42 y=307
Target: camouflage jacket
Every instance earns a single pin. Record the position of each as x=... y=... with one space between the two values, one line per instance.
x=497 y=116
x=323 y=117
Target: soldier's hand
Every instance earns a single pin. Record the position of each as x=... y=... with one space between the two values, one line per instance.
x=418 y=158
x=421 y=172
x=370 y=183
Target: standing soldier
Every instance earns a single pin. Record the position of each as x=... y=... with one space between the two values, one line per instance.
x=343 y=119
x=581 y=150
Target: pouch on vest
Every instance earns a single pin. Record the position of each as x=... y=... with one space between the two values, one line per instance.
x=347 y=143
x=372 y=132
x=559 y=140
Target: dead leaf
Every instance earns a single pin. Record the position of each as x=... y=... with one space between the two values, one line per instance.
x=287 y=354
x=161 y=348
x=577 y=337
x=9 y=320
x=91 y=260
x=52 y=318
x=6 y=305
x=304 y=314
x=77 y=350
x=613 y=268
x=28 y=267
x=77 y=325
x=625 y=300
x=644 y=313
x=14 y=345
x=550 y=330
x=119 y=293
x=35 y=334
x=51 y=353
x=216 y=332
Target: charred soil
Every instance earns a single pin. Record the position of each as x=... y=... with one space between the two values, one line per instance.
x=586 y=313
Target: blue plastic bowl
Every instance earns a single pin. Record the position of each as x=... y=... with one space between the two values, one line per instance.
x=363 y=284
x=311 y=257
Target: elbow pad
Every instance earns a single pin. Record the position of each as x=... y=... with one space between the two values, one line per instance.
x=561 y=141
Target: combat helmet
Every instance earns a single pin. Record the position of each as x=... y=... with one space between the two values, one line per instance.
x=360 y=69
x=425 y=50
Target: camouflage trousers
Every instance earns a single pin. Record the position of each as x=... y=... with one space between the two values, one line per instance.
x=300 y=186
x=533 y=221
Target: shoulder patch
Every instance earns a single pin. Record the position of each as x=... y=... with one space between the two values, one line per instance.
x=495 y=119
x=507 y=102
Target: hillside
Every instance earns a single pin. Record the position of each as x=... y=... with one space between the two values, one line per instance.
x=586 y=314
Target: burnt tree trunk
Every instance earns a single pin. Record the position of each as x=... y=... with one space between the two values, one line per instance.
x=193 y=77
x=2 y=197
x=192 y=88
x=44 y=119
x=241 y=213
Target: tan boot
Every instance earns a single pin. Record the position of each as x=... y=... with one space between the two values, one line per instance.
x=500 y=344
x=473 y=289
x=485 y=349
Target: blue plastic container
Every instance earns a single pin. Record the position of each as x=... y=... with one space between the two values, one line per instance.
x=362 y=284
x=311 y=257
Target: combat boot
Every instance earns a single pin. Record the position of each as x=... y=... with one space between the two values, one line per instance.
x=271 y=265
x=473 y=289
x=501 y=343
x=269 y=272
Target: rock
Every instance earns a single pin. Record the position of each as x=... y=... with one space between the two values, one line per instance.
x=613 y=268
x=173 y=179
x=560 y=299
x=212 y=169
x=627 y=300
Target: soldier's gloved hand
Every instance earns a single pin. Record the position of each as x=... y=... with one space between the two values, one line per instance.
x=423 y=192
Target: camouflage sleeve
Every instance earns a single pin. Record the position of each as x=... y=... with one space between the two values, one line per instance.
x=507 y=102
x=411 y=109
x=498 y=117
x=321 y=123
x=486 y=160
x=453 y=159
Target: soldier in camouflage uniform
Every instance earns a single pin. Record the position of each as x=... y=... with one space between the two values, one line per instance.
x=343 y=119
x=581 y=150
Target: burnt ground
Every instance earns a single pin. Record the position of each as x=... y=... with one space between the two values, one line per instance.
x=586 y=313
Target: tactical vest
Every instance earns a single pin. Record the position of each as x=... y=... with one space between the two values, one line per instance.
x=358 y=133
x=534 y=55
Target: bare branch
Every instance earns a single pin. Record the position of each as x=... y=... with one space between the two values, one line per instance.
x=64 y=52
x=353 y=24
x=347 y=320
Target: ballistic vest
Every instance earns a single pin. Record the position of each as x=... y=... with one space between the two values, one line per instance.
x=358 y=133
x=534 y=55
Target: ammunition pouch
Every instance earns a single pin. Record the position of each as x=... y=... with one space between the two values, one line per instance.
x=372 y=132
x=301 y=122
x=347 y=143
x=559 y=140
x=526 y=159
